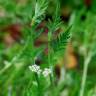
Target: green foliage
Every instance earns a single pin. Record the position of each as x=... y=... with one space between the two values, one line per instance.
x=39 y=12
x=16 y=64
x=60 y=43
x=16 y=78
x=56 y=23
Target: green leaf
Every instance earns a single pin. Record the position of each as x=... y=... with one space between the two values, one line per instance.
x=60 y=42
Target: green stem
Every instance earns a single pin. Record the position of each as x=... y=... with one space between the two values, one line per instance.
x=49 y=56
x=50 y=63
x=16 y=57
x=84 y=77
x=37 y=79
x=13 y=61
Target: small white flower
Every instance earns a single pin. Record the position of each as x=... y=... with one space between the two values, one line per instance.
x=39 y=71
x=35 y=68
x=46 y=72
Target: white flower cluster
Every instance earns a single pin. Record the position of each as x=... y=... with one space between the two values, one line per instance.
x=46 y=72
x=35 y=68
